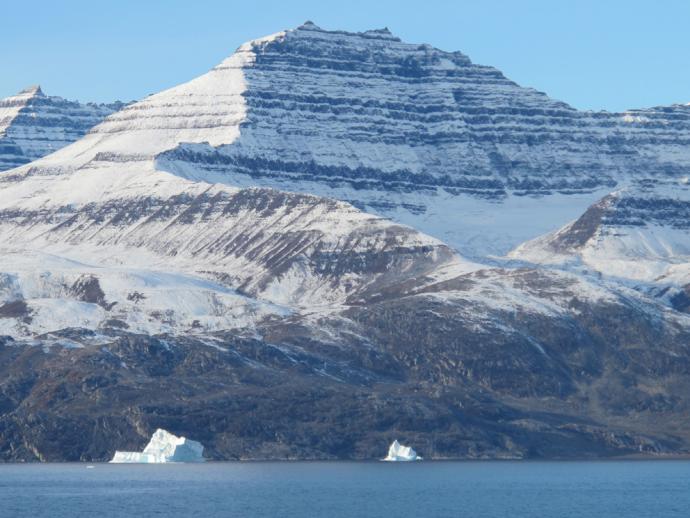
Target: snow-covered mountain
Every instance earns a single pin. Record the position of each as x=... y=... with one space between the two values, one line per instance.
x=402 y=130
x=320 y=210
x=110 y=200
x=639 y=235
x=427 y=138
x=33 y=124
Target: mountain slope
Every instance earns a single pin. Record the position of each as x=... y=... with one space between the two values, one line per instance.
x=491 y=364
x=287 y=249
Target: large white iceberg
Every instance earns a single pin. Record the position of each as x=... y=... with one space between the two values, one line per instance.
x=399 y=453
x=163 y=447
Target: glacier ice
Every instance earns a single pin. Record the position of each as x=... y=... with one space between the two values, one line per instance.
x=399 y=453
x=163 y=447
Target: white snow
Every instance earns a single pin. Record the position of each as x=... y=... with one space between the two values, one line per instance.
x=121 y=157
x=399 y=453
x=162 y=448
x=146 y=300
x=630 y=118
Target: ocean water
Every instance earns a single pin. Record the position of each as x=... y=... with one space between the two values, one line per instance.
x=630 y=489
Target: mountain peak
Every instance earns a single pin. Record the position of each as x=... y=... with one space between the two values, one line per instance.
x=33 y=124
x=33 y=91
x=384 y=33
x=309 y=26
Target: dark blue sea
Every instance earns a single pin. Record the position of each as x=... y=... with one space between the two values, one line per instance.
x=626 y=489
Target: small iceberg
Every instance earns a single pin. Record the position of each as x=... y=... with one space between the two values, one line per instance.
x=399 y=453
x=163 y=447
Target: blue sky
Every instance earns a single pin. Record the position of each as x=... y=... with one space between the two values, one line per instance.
x=592 y=54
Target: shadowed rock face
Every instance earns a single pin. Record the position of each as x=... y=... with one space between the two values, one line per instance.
x=88 y=289
x=582 y=230
x=681 y=300
x=14 y=309
x=636 y=211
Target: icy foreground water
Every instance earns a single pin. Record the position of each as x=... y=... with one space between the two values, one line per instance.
x=335 y=489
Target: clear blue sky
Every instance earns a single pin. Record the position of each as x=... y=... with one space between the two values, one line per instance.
x=604 y=54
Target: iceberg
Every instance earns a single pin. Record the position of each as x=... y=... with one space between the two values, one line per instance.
x=399 y=453
x=163 y=447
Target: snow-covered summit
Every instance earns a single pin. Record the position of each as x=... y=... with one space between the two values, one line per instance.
x=33 y=90
x=383 y=33
x=309 y=26
x=414 y=133
x=402 y=130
